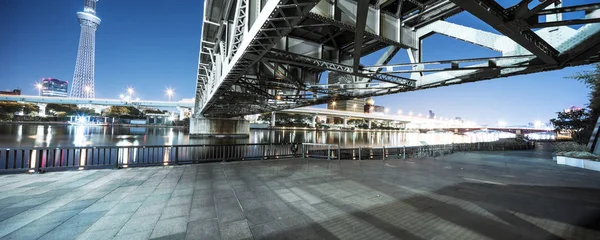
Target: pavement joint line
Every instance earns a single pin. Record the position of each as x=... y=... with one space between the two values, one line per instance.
x=233 y=190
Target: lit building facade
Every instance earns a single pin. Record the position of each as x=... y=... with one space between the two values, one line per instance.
x=52 y=87
x=354 y=105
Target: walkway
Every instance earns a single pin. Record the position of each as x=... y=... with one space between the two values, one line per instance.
x=497 y=195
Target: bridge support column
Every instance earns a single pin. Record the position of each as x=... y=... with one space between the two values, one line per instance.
x=182 y=112
x=219 y=127
x=42 y=109
x=345 y=122
x=313 y=123
x=519 y=133
x=272 y=119
x=369 y=123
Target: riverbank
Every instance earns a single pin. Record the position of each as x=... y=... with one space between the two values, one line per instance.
x=108 y=125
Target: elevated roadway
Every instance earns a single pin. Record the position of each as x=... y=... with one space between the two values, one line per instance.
x=97 y=101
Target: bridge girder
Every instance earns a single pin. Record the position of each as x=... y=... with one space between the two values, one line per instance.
x=268 y=55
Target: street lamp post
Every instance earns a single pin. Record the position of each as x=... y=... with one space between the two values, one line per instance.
x=130 y=93
x=39 y=88
x=170 y=93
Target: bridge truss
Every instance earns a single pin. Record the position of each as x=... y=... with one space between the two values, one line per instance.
x=266 y=55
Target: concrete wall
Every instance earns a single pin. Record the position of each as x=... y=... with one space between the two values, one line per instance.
x=219 y=127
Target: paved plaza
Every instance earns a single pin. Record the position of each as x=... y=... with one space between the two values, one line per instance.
x=484 y=195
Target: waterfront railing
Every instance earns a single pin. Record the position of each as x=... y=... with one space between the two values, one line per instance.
x=64 y=158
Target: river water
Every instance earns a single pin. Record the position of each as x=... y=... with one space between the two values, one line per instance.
x=32 y=135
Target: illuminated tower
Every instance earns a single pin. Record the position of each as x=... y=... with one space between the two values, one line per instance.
x=83 y=78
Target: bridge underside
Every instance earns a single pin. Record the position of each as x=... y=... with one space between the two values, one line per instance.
x=265 y=55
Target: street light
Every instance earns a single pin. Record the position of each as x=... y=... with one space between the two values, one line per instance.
x=537 y=124
x=39 y=88
x=87 y=91
x=502 y=123
x=170 y=93
x=130 y=92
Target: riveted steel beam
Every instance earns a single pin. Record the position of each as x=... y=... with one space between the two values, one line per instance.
x=516 y=29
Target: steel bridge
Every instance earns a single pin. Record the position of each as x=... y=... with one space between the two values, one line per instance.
x=268 y=55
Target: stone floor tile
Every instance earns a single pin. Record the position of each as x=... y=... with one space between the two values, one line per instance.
x=62 y=233
x=110 y=221
x=236 y=230
x=129 y=207
x=170 y=227
x=139 y=224
x=104 y=234
x=203 y=213
x=176 y=211
x=204 y=229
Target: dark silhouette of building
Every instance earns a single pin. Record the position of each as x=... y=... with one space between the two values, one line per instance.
x=14 y=92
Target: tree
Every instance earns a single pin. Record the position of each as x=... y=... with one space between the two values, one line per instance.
x=592 y=80
x=10 y=108
x=580 y=124
x=62 y=109
x=116 y=111
x=576 y=123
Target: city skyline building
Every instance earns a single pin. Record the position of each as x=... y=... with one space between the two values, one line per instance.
x=52 y=87
x=83 y=77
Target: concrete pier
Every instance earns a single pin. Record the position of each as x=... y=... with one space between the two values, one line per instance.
x=219 y=127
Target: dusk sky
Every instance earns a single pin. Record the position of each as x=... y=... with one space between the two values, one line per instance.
x=151 y=45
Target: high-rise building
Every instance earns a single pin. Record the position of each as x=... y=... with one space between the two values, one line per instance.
x=52 y=87
x=83 y=78
x=354 y=105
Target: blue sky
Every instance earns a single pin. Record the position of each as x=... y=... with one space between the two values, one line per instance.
x=151 y=45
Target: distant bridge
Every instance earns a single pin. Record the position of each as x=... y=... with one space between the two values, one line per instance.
x=413 y=122
x=402 y=119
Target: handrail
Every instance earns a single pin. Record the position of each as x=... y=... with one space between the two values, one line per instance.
x=138 y=146
x=39 y=159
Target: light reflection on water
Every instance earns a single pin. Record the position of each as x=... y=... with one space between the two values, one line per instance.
x=26 y=135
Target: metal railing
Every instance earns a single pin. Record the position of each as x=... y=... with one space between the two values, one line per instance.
x=53 y=159
x=320 y=150
x=404 y=152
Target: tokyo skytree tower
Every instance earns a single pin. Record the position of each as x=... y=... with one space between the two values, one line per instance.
x=83 y=78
